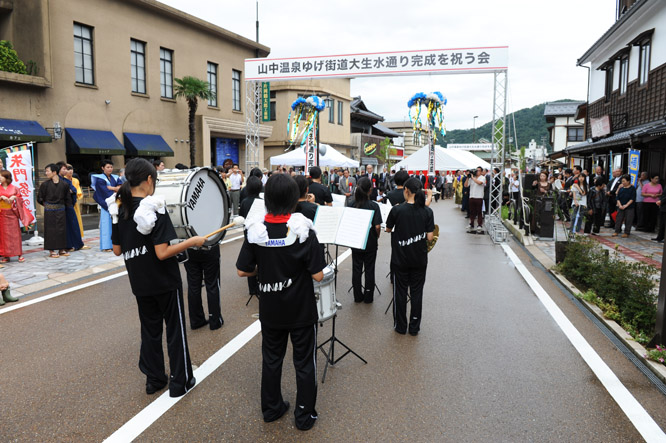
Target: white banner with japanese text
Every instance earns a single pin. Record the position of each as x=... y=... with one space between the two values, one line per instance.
x=437 y=61
x=19 y=164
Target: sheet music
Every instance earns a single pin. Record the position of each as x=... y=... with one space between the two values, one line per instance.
x=258 y=209
x=338 y=200
x=384 y=208
x=354 y=228
x=326 y=223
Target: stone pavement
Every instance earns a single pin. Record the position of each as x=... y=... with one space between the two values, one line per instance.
x=40 y=272
x=638 y=246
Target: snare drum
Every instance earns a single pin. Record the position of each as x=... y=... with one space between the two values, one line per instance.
x=324 y=290
x=197 y=202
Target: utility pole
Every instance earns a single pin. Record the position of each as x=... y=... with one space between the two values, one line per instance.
x=474 y=130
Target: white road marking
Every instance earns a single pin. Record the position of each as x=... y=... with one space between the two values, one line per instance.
x=63 y=292
x=151 y=413
x=644 y=424
x=140 y=422
x=76 y=288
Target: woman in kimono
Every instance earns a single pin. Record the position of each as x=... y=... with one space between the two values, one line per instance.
x=79 y=196
x=74 y=242
x=11 y=211
x=105 y=185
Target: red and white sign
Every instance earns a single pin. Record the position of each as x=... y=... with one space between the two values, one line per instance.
x=19 y=164
x=600 y=126
x=435 y=61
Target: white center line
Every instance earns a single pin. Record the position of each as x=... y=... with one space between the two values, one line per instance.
x=641 y=420
x=144 y=419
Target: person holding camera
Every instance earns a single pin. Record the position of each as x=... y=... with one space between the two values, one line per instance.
x=476 y=185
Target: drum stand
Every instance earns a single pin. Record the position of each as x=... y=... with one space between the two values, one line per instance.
x=330 y=355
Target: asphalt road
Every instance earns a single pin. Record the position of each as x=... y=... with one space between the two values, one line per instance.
x=490 y=364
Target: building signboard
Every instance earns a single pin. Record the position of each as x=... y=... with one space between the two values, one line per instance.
x=438 y=61
x=600 y=126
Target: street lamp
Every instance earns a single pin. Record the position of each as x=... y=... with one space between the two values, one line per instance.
x=474 y=131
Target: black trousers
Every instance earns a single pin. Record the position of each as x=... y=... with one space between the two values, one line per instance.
x=154 y=310
x=594 y=222
x=273 y=350
x=363 y=260
x=204 y=265
x=650 y=215
x=404 y=281
x=662 y=225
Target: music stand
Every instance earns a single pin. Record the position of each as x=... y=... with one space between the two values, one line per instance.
x=330 y=355
x=251 y=295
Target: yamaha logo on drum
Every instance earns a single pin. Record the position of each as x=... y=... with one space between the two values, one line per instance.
x=195 y=195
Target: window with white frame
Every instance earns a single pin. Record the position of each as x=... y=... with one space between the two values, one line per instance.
x=339 y=112
x=609 y=82
x=236 y=89
x=166 y=72
x=83 y=54
x=138 y=66
x=273 y=104
x=331 y=110
x=643 y=62
x=624 y=73
x=575 y=134
x=212 y=83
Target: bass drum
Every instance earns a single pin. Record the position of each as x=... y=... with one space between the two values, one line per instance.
x=197 y=202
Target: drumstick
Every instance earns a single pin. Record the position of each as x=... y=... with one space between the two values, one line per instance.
x=237 y=222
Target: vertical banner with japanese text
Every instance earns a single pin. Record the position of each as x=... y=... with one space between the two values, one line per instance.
x=634 y=164
x=19 y=164
x=310 y=154
x=265 y=101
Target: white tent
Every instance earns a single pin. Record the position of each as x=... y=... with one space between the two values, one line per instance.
x=470 y=158
x=330 y=159
x=445 y=160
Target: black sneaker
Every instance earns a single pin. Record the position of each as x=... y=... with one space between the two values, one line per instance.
x=152 y=388
x=280 y=415
x=198 y=325
x=216 y=324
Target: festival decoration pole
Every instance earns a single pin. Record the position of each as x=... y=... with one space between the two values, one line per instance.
x=433 y=104
x=307 y=111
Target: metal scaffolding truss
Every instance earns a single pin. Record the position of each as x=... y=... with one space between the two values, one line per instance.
x=253 y=117
x=498 y=154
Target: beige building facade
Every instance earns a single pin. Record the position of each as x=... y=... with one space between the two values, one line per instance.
x=110 y=65
x=334 y=121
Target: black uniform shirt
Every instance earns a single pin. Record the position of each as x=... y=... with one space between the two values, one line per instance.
x=285 y=278
x=321 y=193
x=410 y=225
x=396 y=196
x=245 y=206
x=371 y=244
x=148 y=274
x=307 y=209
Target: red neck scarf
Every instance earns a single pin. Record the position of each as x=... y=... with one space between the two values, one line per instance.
x=271 y=218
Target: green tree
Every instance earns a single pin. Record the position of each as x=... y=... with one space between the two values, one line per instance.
x=9 y=59
x=192 y=89
x=385 y=151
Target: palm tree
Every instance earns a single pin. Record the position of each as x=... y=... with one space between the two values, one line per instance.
x=192 y=89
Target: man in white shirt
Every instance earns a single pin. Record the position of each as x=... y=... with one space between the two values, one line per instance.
x=236 y=180
x=448 y=185
x=264 y=176
x=477 y=184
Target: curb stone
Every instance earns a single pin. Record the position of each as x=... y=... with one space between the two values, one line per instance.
x=639 y=351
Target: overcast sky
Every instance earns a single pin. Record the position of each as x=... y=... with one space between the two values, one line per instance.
x=545 y=39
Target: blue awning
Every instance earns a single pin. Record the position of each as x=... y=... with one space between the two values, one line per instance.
x=23 y=131
x=148 y=145
x=88 y=141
